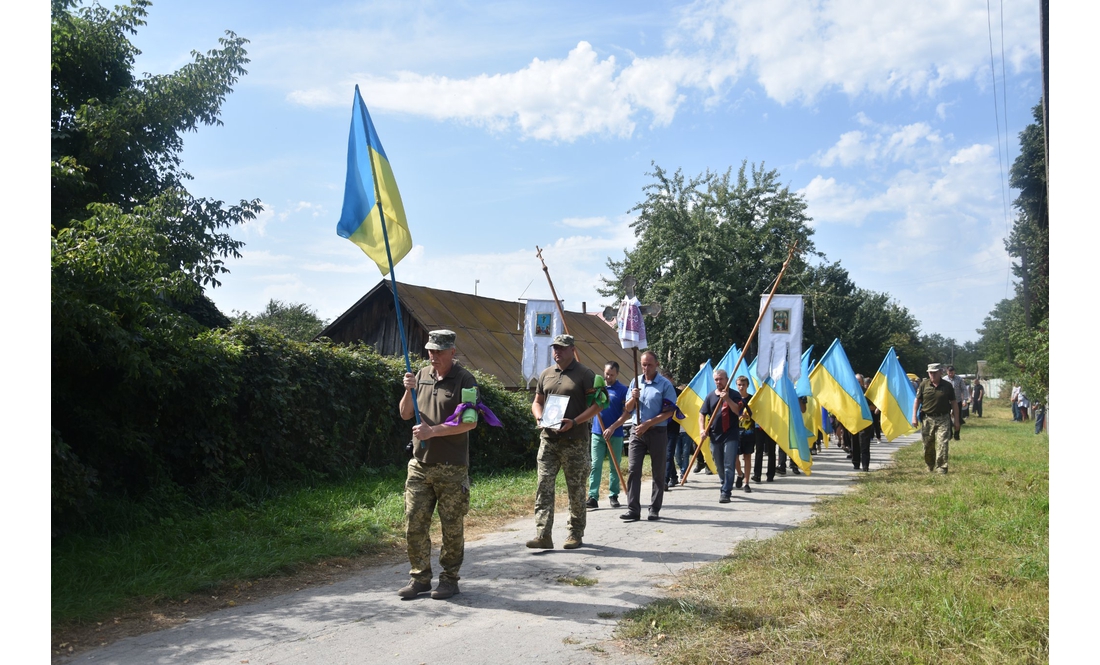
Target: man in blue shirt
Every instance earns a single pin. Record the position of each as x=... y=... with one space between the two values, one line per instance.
x=601 y=438
x=655 y=399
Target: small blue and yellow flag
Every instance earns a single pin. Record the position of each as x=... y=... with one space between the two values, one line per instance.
x=893 y=394
x=370 y=180
x=691 y=401
x=835 y=387
x=776 y=409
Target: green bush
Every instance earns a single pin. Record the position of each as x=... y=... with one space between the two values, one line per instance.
x=245 y=408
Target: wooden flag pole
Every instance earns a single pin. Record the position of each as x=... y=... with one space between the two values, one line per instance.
x=752 y=336
x=565 y=325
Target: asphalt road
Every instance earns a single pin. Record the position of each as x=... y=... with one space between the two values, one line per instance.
x=512 y=608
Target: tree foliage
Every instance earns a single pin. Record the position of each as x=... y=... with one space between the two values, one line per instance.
x=709 y=246
x=297 y=321
x=132 y=250
x=1015 y=334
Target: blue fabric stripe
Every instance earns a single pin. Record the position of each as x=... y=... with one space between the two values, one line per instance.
x=835 y=363
x=359 y=197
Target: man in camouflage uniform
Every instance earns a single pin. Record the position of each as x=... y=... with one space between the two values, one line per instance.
x=936 y=401
x=438 y=472
x=565 y=446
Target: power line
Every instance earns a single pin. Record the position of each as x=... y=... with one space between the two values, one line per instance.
x=996 y=114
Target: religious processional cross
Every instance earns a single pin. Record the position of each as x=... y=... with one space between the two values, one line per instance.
x=631 y=326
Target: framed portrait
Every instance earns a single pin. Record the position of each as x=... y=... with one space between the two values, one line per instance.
x=553 y=411
x=781 y=320
x=543 y=323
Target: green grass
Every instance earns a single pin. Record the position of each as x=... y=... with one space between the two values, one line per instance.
x=910 y=567
x=167 y=551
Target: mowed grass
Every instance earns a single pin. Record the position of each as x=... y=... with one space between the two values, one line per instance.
x=909 y=567
x=150 y=553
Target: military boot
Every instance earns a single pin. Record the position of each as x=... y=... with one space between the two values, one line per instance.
x=541 y=543
x=413 y=589
x=445 y=589
x=572 y=542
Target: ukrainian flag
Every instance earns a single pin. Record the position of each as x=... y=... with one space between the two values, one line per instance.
x=754 y=382
x=812 y=415
x=691 y=401
x=777 y=411
x=727 y=363
x=892 y=393
x=370 y=179
x=835 y=387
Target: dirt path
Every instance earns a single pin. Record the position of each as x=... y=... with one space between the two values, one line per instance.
x=516 y=605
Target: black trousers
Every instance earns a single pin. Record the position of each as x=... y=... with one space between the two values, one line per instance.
x=655 y=443
x=763 y=441
x=861 y=448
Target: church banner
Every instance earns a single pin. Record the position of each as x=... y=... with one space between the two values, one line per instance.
x=780 y=338
x=541 y=324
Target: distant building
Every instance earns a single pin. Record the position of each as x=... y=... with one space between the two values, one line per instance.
x=490 y=331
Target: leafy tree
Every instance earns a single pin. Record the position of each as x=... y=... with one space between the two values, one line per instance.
x=132 y=249
x=1015 y=335
x=297 y=321
x=707 y=248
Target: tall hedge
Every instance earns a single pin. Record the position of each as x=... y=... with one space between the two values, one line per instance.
x=243 y=406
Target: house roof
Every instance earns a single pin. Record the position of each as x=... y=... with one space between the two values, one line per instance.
x=490 y=331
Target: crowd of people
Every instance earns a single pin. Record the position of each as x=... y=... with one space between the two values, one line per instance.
x=585 y=418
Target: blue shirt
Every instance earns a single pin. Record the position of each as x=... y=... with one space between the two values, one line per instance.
x=653 y=396
x=616 y=393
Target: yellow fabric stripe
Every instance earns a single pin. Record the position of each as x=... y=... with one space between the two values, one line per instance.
x=690 y=404
x=369 y=236
x=834 y=398
x=895 y=417
x=772 y=414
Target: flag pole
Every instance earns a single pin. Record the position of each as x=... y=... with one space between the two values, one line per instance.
x=393 y=287
x=565 y=325
x=744 y=350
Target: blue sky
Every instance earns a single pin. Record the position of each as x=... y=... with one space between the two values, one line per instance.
x=510 y=125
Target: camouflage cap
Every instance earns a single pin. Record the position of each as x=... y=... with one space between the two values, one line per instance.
x=935 y=367
x=440 y=340
x=562 y=340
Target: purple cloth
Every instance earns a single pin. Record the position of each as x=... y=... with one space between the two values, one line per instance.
x=480 y=407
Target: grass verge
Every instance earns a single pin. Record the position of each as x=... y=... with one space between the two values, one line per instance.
x=909 y=567
x=144 y=555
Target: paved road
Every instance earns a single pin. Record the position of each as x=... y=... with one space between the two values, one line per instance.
x=512 y=608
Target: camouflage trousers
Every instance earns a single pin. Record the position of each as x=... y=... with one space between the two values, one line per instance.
x=572 y=455
x=428 y=487
x=936 y=432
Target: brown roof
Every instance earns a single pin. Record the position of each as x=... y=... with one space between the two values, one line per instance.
x=490 y=335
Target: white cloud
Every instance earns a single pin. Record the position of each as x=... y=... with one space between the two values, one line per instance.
x=798 y=49
x=585 y=222
x=556 y=99
x=880 y=143
x=258 y=224
x=260 y=257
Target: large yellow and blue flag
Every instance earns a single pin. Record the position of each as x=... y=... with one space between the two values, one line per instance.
x=893 y=394
x=691 y=401
x=370 y=181
x=835 y=387
x=776 y=410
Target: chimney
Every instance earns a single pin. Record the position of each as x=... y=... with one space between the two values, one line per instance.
x=584 y=307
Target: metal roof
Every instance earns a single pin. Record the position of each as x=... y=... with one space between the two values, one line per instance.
x=490 y=331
